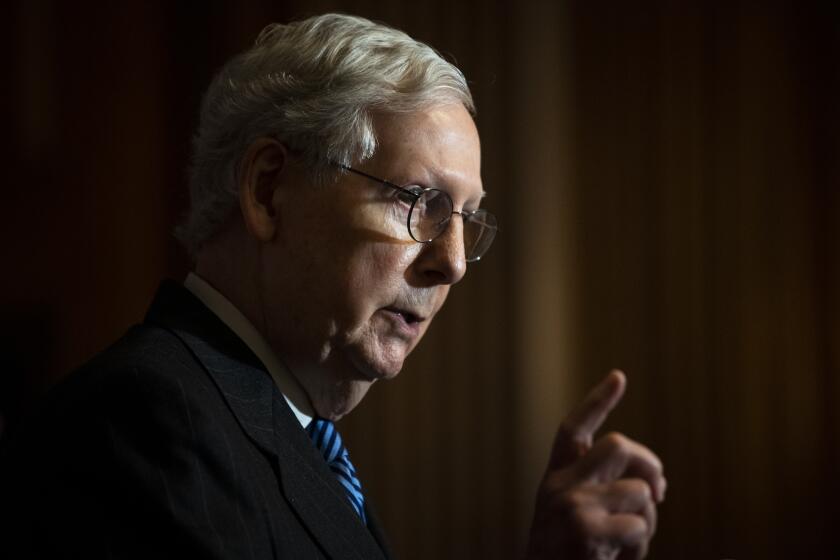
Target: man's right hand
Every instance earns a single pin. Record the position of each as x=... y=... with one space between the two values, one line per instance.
x=596 y=501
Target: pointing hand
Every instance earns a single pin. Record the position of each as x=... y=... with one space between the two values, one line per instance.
x=597 y=501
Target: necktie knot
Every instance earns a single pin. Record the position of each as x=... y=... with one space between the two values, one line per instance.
x=327 y=440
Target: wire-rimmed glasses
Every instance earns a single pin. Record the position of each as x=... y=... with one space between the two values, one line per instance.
x=430 y=211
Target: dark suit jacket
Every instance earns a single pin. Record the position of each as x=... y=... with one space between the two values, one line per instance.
x=175 y=442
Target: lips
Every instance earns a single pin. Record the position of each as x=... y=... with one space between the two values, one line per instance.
x=409 y=317
x=406 y=324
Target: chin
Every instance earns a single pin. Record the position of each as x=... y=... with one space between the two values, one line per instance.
x=347 y=377
x=377 y=369
x=344 y=397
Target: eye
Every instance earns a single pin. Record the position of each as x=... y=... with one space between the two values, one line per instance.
x=409 y=194
x=402 y=201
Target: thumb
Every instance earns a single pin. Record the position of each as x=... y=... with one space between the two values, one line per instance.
x=574 y=437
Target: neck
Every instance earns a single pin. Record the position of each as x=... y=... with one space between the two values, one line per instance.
x=231 y=264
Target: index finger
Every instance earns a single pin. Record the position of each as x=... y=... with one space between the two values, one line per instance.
x=574 y=438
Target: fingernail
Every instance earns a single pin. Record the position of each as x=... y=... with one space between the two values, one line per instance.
x=663 y=486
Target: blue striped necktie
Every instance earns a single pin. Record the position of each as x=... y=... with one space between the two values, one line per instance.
x=328 y=442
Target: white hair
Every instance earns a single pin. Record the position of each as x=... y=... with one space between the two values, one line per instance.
x=315 y=86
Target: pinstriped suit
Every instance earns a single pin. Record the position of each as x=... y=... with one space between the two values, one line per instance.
x=175 y=442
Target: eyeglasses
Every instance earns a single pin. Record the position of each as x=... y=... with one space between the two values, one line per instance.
x=430 y=211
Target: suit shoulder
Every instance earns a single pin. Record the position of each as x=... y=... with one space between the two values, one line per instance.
x=143 y=347
x=145 y=365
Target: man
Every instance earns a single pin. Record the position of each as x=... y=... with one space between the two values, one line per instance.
x=335 y=200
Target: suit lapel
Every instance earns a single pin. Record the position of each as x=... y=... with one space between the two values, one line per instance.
x=316 y=493
x=375 y=527
x=310 y=487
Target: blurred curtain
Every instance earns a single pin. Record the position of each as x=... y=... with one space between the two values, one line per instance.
x=666 y=176
x=706 y=148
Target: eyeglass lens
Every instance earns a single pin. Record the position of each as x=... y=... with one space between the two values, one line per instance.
x=479 y=231
x=431 y=213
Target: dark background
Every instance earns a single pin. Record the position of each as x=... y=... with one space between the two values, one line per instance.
x=667 y=181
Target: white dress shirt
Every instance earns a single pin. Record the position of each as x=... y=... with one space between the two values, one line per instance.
x=244 y=329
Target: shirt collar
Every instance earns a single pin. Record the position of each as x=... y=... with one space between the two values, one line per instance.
x=244 y=329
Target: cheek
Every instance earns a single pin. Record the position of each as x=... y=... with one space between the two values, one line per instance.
x=381 y=220
x=372 y=250
x=378 y=273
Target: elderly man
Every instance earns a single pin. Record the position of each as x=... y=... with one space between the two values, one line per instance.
x=336 y=195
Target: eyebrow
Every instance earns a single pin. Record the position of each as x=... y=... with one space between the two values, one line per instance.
x=441 y=186
x=433 y=182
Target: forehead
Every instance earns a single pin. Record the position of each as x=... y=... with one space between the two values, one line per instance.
x=438 y=147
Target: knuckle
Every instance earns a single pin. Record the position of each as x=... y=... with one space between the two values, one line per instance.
x=644 y=528
x=637 y=487
x=570 y=502
x=571 y=434
x=575 y=511
x=580 y=521
x=637 y=526
x=617 y=442
x=657 y=463
x=652 y=458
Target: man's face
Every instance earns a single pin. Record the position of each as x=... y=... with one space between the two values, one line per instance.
x=349 y=294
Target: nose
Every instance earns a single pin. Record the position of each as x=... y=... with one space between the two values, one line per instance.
x=442 y=261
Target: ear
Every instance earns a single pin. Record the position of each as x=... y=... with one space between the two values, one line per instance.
x=259 y=179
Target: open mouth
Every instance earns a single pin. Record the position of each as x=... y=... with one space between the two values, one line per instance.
x=407 y=316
